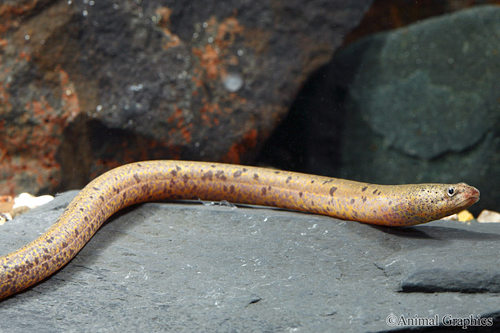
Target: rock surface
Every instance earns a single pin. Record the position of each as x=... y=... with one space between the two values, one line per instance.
x=199 y=267
x=89 y=85
x=424 y=92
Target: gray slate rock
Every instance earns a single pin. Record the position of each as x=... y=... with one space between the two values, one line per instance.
x=195 y=267
x=464 y=281
x=422 y=103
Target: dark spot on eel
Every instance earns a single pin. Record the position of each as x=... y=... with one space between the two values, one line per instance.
x=364 y=188
x=136 y=177
x=237 y=174
x=220 y=175
x=332 y=190
x=264 y=191
x=209 y=175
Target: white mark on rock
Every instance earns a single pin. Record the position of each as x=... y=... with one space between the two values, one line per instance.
x=233 y=82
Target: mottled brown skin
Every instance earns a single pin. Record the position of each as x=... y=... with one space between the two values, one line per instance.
x=400 y=205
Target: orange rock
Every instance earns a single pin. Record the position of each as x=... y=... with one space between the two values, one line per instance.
x=465 y=215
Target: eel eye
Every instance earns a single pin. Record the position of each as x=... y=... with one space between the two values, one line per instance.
x=450 y=191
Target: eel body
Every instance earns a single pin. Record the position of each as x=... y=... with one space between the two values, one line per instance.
x=398 y=205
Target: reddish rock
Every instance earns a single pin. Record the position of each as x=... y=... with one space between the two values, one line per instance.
x=88 y=85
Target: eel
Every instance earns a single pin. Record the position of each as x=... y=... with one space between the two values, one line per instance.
x=386 y=205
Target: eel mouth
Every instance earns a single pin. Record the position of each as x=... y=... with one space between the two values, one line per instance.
x=471 y=196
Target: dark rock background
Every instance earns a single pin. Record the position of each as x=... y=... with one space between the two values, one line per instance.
x=86 y=86
x=194 y=267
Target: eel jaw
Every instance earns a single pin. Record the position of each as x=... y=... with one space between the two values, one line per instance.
x=471 y=196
